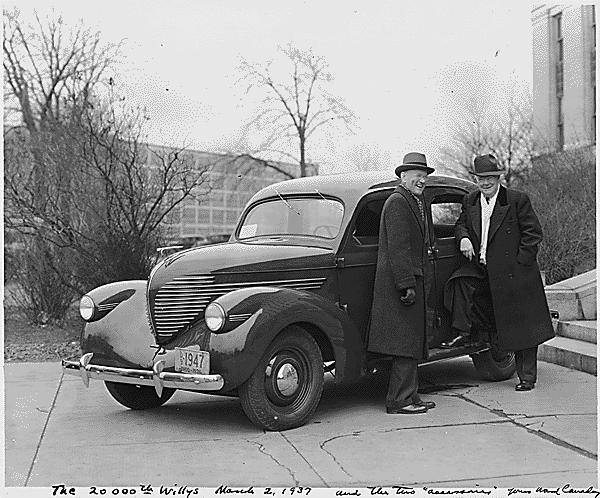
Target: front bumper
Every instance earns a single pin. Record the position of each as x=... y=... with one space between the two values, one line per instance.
x=155 y=377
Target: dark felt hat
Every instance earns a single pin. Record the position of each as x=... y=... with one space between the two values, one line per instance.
x=414 y=160
x=487 y=165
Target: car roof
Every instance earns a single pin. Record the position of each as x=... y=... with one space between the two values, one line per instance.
x=351 y=186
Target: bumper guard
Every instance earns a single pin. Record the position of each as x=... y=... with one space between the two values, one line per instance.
x=155 y=377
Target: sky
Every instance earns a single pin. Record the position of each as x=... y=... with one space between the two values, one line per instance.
x=404 y=68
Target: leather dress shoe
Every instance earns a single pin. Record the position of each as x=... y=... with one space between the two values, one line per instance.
x=427 y=404
x=409 y=409
x=524 y=386
x=459 y=340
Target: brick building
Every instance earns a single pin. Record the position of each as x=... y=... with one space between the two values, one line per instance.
x=229 y=183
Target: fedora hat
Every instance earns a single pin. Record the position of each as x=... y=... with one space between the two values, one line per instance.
x=487 y=165
x=414 y=160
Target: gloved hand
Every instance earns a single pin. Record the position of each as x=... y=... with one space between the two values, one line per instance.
x=409 y=297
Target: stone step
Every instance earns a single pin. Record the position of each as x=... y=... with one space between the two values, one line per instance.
x=582 y=330
x=570 y=353
x=575 y=297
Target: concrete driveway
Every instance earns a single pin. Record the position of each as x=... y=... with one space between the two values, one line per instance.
x=480 y=434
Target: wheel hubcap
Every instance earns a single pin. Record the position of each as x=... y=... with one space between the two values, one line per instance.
x=285 y=378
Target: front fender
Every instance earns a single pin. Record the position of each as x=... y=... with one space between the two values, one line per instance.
x=235 y=354
x=121 y=337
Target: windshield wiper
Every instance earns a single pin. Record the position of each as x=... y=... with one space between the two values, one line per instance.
x=337 y=206
x=286 y=202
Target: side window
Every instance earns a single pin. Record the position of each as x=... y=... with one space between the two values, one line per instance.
x=445 y=210
x=366 y=226
x=445 y=213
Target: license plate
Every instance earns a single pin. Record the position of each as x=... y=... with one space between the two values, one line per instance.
x=188 y=360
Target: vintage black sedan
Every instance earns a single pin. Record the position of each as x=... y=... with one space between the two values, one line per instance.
x=264 y=315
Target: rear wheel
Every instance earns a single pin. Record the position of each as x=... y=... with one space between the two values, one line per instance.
x=138 y=397
x=494 y=364
x=286 y=386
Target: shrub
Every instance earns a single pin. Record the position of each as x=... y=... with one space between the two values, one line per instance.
x=562 y=188
x=42 y=293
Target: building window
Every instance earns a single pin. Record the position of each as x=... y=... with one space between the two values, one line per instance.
x=560 y=127
x=559 y=80
x=188 y=215
x=231 y=217
x=218 y=218
x=204 y=216
x=594 y=115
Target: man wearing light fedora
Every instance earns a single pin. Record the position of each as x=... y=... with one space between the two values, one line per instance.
x=499 y=284
x=401 y=286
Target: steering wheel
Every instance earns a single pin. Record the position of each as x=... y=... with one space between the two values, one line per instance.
x=330 y=231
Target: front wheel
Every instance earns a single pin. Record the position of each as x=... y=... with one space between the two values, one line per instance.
x=138 y=397
x=494 y=364
x=286 y=386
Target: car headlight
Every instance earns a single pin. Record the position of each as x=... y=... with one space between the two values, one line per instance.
x=87 y=308
x=214 y=316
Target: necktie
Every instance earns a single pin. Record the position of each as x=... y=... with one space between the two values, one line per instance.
x=421 y=209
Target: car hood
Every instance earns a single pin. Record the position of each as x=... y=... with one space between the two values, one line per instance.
x=237 y=257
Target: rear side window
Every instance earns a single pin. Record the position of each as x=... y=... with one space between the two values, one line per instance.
x=445 y=213
x=446 y=204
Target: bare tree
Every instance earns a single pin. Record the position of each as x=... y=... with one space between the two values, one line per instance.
x=88 y=196
x=47 y=65
x=509 y=140
x=121 y=193
x=47 y=69
x=485 y=114
x=294 y=106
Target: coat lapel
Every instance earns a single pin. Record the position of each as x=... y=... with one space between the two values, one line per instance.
x=413 y=205
x=475 y=212
x=500 y=210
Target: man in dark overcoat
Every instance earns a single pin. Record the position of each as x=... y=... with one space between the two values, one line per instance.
x=401 y=286
x=498 y=233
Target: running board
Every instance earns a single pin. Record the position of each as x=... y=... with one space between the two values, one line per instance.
x=377 y=361
x=443 y=354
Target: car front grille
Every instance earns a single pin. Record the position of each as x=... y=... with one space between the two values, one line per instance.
x=183 y=300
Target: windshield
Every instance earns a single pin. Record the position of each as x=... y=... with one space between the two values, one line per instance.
x=314 y=217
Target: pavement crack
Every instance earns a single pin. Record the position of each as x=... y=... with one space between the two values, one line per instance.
x=465 y=424
x=537 y=424
x=304 y=458
x=539 y=433
x=262 y=449
x=49 y=412
x=337 y=462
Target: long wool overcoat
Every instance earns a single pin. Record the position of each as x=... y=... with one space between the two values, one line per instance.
x=397 y=329
x=520 y=307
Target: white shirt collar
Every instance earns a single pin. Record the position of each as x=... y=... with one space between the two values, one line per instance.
x=492 y=199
